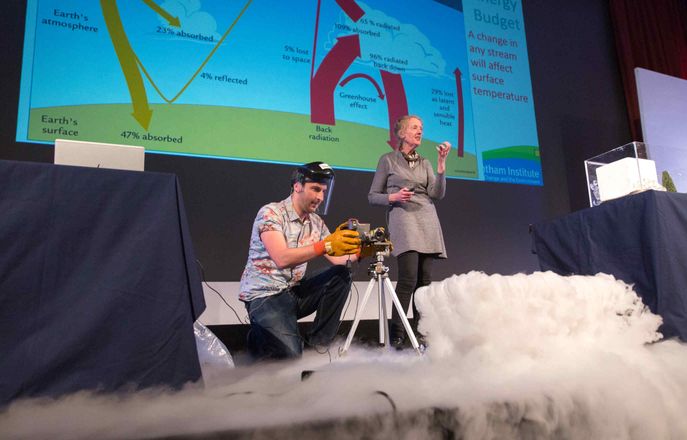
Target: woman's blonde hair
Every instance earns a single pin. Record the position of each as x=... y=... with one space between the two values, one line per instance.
x=401 y=124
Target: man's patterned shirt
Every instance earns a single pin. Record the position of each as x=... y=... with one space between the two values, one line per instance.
x=261 y=276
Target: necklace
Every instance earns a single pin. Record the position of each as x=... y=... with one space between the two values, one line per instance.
x=412 y=158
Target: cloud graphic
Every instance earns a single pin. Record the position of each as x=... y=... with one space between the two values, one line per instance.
x=388 y=44
x=193 y=20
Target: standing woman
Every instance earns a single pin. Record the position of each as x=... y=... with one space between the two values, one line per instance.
x=406 y=184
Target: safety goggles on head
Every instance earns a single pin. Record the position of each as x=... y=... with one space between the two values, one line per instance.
x=317 y=172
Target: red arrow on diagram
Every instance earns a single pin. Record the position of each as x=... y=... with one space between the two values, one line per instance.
x=365 y=76
x=461 y=114
x=351 y=8
x=396 y=102
x=332 y=68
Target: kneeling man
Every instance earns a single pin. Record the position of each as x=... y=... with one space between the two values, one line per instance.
x=285 y=236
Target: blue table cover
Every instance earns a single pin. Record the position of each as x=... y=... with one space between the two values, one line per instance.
x=99 y=286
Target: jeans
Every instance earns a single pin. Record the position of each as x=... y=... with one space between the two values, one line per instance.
x=273 y=319
x=414 y=271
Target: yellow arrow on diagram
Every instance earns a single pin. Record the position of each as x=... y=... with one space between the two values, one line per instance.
x=173 y=21
x=127 y=59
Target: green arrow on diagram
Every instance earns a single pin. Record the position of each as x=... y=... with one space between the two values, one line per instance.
x=127 y=59
x=173 y=21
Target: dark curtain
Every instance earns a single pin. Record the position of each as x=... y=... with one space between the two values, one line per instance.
x=651 y=34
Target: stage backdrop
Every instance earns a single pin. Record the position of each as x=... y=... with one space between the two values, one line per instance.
x=580 y=112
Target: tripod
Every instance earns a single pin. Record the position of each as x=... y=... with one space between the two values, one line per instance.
x=379 y=274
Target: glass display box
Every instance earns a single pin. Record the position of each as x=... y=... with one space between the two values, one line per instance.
x=621 y=171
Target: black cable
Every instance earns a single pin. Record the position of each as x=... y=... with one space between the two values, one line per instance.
x=202 y=273
x=391 y=401
x=348 y=303
x=326 y=351
x=244 y=393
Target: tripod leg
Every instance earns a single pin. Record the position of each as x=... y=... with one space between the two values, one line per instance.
x=381 y=312
x=358 y=315
x=402 y=314
x=383 y=315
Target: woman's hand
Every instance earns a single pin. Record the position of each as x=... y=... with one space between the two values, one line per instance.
x=443 y=149
x=401 y=196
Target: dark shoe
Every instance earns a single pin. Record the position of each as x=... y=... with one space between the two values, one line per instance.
x=422 y=343
x=398 y=342
x=421 y=340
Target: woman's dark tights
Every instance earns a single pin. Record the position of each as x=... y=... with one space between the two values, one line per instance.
x=414 y=271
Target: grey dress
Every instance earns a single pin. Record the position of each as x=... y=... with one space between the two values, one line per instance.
x=414 y=225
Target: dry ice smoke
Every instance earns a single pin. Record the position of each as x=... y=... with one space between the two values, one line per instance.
x=523 y=356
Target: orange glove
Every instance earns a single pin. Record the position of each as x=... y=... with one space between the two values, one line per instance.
x=340 y=242
x=343 y=225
